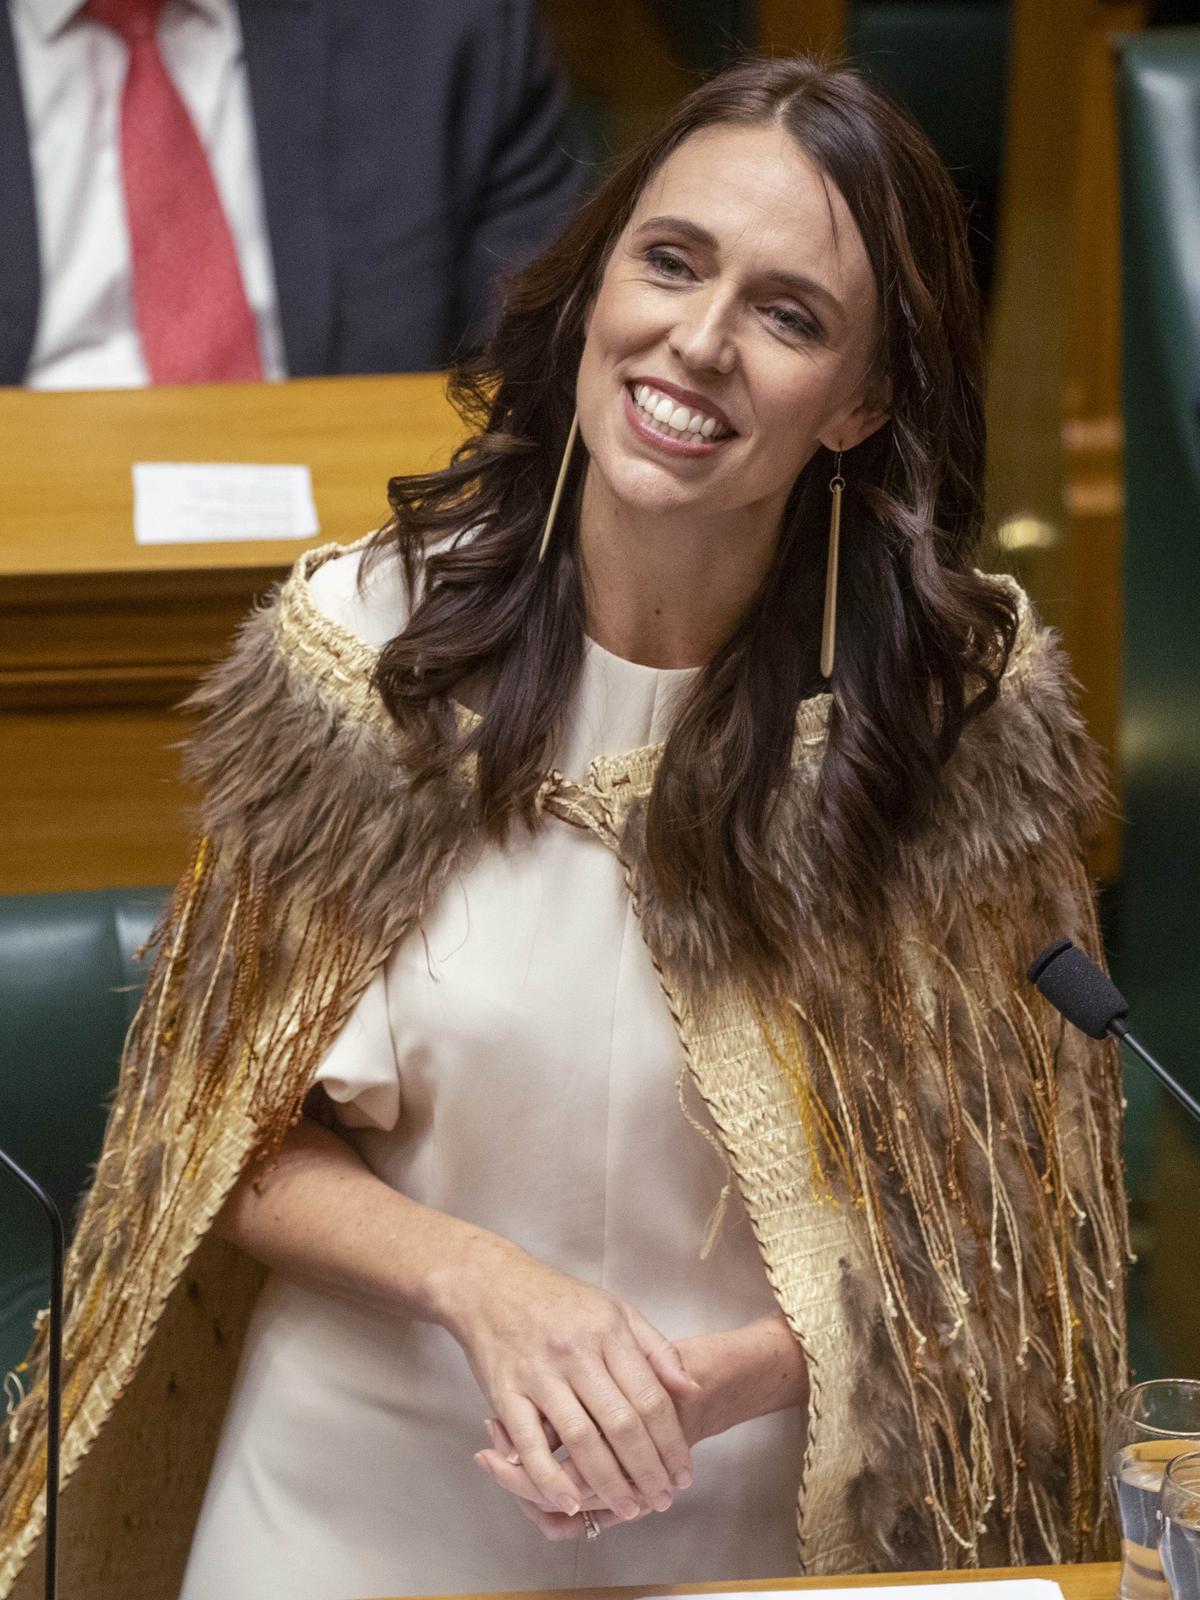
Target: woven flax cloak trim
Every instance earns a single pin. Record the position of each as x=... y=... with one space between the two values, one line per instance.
x=1007 y=1183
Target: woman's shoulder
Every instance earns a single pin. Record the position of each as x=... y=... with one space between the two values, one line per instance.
x=306 y=657
x=291 y=723
x=1038 y=667
x=1027 y=767
x=358 y=588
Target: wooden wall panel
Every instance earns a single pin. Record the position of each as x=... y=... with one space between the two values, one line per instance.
x=100 y=638
x=91 y=799
x=814 y=27
x=1055 y=491
x=1174 y=1267
x=618 y=57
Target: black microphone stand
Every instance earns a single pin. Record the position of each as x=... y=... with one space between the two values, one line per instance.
x=1118 y=1029
x=54 y=1397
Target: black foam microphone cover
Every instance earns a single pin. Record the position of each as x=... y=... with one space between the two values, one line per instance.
x=1077 y=988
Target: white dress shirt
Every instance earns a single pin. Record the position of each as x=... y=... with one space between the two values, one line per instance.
x=72 y=73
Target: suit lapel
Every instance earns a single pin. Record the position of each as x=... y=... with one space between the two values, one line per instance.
x=287 y=64
x=20 y=273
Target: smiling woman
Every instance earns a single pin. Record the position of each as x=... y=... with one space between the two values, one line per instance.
x=542 y=860
x=787 y=258
x=721 y=288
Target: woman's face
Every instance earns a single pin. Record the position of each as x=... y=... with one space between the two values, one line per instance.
x=732 y=332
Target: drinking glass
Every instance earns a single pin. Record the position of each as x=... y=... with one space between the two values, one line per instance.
x=1179 y=1526
x=1151 y=1424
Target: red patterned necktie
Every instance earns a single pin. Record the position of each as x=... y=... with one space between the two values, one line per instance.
x=193 y=318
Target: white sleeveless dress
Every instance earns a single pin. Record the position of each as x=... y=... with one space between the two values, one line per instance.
x=514 y=1065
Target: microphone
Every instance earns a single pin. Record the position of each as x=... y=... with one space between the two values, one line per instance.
x=1078 y=989
x=54 y=1374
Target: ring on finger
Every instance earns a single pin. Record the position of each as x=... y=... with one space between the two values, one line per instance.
x=591 y=1527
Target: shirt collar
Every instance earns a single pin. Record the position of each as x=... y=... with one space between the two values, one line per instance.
x=49 y=17
x=213 y=10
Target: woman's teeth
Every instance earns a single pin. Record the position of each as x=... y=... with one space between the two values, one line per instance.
x=669 y=414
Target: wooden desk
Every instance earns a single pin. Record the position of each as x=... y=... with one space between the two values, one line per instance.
x=100 y=637
x=1097 y=1581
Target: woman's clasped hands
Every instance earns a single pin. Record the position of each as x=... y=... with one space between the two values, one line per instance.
x=564 y=1363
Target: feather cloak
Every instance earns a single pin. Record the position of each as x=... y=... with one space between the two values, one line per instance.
x=929 y=1156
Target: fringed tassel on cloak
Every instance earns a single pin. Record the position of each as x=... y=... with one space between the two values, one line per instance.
x=245 y=996
x=976 y=1144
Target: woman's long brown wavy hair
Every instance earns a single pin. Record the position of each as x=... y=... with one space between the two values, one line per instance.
x=922 y=638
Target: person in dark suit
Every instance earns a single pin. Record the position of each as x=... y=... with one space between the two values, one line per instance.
x=393 y=158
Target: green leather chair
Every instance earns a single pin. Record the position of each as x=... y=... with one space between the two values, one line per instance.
x=1157 y=956
x=1160 y=752
x=69 y=986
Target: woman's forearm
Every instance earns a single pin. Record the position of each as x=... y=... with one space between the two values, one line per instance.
x=318 y=1213
x=543 y=1347
x=746 y=1372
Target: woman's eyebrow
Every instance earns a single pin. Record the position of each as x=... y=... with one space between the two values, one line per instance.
x=789 y=282
x=690 y=230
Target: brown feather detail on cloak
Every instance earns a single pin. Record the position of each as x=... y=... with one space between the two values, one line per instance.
x=930 y=1160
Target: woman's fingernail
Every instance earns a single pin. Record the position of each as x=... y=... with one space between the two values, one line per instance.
x=628 y=1509
x=482 y=1464
x=514 y=1460
x=571 y=1507
x=682 y=1479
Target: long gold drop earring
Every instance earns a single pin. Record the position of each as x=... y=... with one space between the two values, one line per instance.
x=829 y=625
x=548 y=529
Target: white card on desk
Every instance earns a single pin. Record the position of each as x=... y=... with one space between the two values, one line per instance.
x=983 y=1589
x=189 y=502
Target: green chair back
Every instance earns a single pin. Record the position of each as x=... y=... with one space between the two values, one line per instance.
x=1159 y=958
x=69 y=987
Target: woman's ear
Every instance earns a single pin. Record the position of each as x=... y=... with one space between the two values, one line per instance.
x=861 y=419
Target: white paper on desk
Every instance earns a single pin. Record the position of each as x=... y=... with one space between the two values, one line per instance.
x=983 y=1589
x=187 y=502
